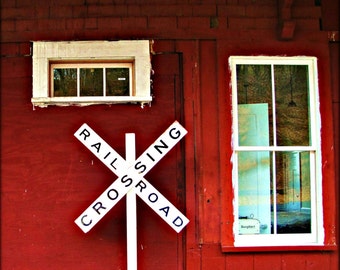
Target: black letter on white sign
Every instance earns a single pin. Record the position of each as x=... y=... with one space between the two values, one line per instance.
x=97 y=146
x=115 y=196
x=178 y=222
x=141 y=184
x=140 y=166
x=155 y=197
x=86 y=134
x=165 y=210
x=98 y=206
x=83 y=222
x=112 y=164
x=178 y=133
x=160 y=146
x=124 y=180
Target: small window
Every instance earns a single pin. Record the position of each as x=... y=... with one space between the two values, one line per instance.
x=276 y=152
x=94 y=72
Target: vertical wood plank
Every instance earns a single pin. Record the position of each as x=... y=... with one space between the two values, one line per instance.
x=209 y=128
x=189 y=49
x=212 y=256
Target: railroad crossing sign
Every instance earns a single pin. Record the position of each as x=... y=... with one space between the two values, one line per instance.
x=131 y=177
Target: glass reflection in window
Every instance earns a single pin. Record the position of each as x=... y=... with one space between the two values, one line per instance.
x=273 y=111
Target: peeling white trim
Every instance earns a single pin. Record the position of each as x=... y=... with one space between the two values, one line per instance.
x=136 y=51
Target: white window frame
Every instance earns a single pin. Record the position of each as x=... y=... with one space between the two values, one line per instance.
x=135 y=52
x=316 y=237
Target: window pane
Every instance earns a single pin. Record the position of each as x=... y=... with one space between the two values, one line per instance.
x=253 y=124
x=293 y=202
x=64 y=82
x=254 y=87
x=117 y=82
x=91 y=82
x=254 y=190
x=292 y=106
x=253 y=84
x=254 y=169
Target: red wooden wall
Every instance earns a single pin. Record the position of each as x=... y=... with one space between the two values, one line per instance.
x=48 y=178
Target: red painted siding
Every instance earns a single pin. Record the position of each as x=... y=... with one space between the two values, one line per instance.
x=47 y=178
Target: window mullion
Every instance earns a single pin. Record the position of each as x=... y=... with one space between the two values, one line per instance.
x=273 y=105
x=313 y=187
x=104 y=81
x=274 y=192
x=78 y=82
x=313 y=100
x=273 y=152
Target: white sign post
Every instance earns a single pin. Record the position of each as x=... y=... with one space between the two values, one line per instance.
x=131 y=208
x=130 y=174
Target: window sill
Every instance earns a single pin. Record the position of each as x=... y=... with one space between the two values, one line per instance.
x=279 y=248
x=86 y=101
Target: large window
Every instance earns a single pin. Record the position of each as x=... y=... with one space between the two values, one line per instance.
x=276 y=152
x=91 y=72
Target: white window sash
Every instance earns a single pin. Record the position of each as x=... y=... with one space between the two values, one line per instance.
x=316 y=237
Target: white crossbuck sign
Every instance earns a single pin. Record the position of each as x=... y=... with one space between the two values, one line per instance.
x=131 y=176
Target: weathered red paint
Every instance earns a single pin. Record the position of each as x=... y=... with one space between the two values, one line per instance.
x=48 y=178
